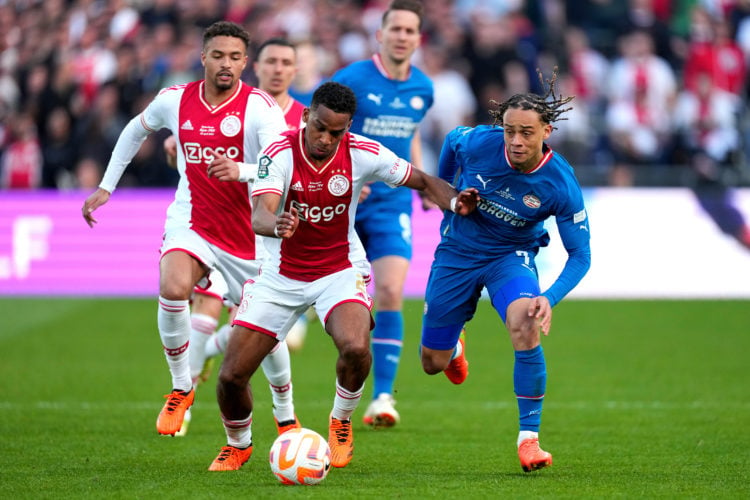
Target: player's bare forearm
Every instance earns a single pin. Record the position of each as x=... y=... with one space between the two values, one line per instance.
x=267 y=223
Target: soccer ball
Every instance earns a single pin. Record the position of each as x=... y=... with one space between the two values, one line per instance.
x=300 y=456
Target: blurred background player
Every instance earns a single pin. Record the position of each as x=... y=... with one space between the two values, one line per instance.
x=207 y=224
x=392 y=98
x=274 y=68
x=521 y=183
x=313 y=261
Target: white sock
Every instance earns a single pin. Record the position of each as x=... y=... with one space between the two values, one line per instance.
x=457 y=351
x=202 y=327
x=239 y=433
x=345 y=402
x=278 y=370
x=173 y=319
x=523 y=435
x=217 y=343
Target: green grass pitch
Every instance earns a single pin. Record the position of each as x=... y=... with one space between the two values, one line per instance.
x=645 y=399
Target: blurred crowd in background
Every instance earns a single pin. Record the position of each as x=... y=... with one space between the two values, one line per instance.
x=660 y=85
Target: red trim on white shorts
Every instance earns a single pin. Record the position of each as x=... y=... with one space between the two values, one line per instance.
x=255 y=328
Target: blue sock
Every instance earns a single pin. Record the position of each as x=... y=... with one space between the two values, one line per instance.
x=387 y=340
x=529 y=384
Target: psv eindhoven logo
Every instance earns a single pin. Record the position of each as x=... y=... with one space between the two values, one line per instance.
x=338 y=185
x=230 y=126
x=532 y=201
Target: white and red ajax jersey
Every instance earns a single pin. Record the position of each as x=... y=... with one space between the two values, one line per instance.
x=239 y=128
x=325 y=198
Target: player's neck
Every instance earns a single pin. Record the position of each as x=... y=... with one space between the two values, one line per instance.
x=397 y=70
x=215 y=96
x=282 y=99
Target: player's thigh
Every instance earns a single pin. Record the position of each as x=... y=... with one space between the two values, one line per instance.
x=244 y=353
x=453 y=289
x=510 y=278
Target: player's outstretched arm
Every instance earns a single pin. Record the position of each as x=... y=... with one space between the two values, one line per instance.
x=443 y=193
x=94 y=201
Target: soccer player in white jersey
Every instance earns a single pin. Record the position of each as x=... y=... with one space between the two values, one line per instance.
x=220 y=125
x=304 y=202
x=274 y=67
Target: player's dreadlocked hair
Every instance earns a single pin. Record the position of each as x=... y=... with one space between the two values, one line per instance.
x=336 y=97
x=226 y=28
x=549 y=106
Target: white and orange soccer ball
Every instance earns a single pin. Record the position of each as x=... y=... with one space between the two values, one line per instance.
x=300 y=456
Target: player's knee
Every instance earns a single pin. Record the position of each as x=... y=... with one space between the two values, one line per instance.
x=231 y=378
x=524 y=334
x=173 y=290
x=356 y=354
x=431 y=363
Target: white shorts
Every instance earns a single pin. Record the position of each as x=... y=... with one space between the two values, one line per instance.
x=234 y=270
x=273 y=303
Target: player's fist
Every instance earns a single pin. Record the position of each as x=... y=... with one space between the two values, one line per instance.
x=286 y=224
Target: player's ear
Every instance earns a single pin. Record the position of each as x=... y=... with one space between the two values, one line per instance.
x=305 y=114
x=547 y=131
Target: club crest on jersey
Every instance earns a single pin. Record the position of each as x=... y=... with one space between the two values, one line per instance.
x=263 y=164
x=338 y=185
x=416 y=102
x=230 y=126
x=532 y=201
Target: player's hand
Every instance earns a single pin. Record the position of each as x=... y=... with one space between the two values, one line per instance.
x=366 y=190
x=94 y=201
x=170 y=150
x=222 y=167
x=286 y=223
x=466 y=201
x=540 y=310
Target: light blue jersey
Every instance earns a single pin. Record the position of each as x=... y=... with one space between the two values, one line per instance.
x=388 y=111
x=514 y=205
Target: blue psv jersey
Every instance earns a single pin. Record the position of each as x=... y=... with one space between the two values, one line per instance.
x=514 y=205
x=388 y=110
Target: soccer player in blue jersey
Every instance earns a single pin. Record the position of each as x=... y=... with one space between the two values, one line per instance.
x=521 y=183
x=392 y=98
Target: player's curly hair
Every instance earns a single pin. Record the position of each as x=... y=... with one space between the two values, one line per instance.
x=549 y=106
x=226 y=28
x=336 y=97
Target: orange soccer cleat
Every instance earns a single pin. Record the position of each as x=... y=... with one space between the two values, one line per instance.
x=287 y=425
x=532 y=456
x=231 y=458
x=458 y=368
x=341 y=441
x=173 y=413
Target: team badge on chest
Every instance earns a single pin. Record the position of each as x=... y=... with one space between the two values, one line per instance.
x=338 y=185
x=230 y=126
x=532 y=201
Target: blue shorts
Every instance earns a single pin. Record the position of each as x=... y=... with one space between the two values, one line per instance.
x=385 y=229
x=455 y=286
